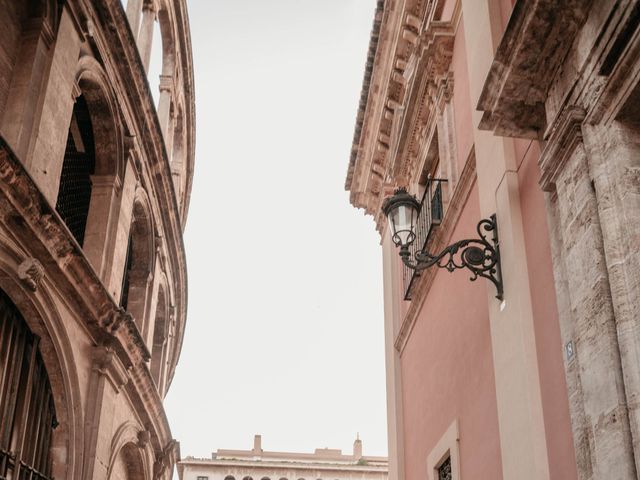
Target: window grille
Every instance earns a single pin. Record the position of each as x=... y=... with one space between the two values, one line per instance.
x=27 y=412
x=444 y=470
x=430 y=215
x=79 y=163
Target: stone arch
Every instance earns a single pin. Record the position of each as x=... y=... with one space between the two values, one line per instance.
x=95 y=86
x=129 y=459
x=106 y=150
x=43 y=318
x=128 y=464
x=168 y=40
x=138 y=273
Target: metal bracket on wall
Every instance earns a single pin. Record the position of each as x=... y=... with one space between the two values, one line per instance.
x=479 y=255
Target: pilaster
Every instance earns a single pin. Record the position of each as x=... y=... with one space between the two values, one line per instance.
x=520 y=416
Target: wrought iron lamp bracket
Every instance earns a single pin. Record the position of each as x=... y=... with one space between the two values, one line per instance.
x=479 y=255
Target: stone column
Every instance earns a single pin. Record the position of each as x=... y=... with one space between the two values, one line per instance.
x=581 y=432
x=134 y=12
x=107 y=378
x=614 y=162
x=595 y=383
x=105 y=190
x=145 y=37
x=116 y=246
x=165 y=104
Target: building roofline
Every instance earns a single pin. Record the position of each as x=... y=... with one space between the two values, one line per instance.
x=366 y=86
x=300 y=465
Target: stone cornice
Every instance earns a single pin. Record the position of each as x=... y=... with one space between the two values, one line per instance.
x=439 y=241
x=405 y=79
x=535 y=43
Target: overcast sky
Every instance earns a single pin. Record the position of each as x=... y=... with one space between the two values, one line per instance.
x=285 y=323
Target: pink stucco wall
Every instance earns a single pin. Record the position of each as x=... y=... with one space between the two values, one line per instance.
x=555 y=405
x=447 y=371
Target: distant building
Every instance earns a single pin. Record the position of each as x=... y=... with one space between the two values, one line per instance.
x=257 y=464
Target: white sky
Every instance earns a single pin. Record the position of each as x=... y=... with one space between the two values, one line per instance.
x=284 y=331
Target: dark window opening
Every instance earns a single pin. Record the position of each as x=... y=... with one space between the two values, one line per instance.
x=27 y=411
x=444 y=470
x=126 y=278
x=79 y=164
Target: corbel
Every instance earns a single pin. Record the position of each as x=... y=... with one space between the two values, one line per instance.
x=107 y=363
x=31 y=272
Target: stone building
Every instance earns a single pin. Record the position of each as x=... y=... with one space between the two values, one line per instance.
x=94 y=192
x=526 y=109
x=258 y=464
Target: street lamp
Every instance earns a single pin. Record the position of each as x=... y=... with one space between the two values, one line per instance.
x=479 y=255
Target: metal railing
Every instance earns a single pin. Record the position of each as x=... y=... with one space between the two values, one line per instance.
x=430 y=215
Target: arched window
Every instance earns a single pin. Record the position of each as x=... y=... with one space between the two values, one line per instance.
x=265 y=478
x=128 y=464
x=139 y=259
x=27 y=410
x=159 y=350
x=229 y=477
x=79 y=164
x=247 y=478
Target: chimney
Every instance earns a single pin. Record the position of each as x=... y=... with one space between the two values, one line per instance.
x=257 y=444
x=357 y=448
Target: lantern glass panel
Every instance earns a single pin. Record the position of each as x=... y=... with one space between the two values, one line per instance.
x=403 y=220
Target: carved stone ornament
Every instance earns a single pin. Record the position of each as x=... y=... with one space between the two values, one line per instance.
x=113 y=319
x=107 y=363
x=163 y=459
x=30 y=271
x=144 y=436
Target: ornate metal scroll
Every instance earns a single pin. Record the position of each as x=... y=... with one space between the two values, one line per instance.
x=479 y=255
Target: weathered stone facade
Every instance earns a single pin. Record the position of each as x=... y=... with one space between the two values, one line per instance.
x=580 y=100
x=527 y=109
x=94 y=191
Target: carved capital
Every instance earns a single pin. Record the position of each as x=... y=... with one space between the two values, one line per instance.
x=144 y=436
x=164 y=459
x=562 y=138
x=107 y=363
x=113 y=319
x=30 y=271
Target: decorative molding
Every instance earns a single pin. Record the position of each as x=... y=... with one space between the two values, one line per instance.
x=562 y=138
x=30 y=271
x=514 y=94
x=441 y=237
